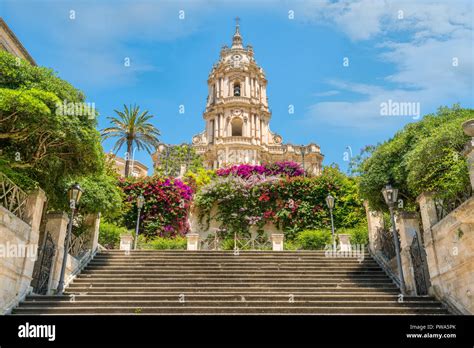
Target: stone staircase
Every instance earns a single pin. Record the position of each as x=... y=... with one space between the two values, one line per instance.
x=219 y=282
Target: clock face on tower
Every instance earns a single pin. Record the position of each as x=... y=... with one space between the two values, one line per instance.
x=236 y=59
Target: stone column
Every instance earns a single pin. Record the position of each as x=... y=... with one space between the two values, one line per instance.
x=216 y=128
x=374 y=222
x=56 y=225
x=92 y=222
x=257 y=130
x=407 y=224
x=429 y=219
x=33 y=214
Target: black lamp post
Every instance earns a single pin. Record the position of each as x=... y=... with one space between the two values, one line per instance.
x=330 y=204
x=140 y=202
x=74 y=196
x=390 y=195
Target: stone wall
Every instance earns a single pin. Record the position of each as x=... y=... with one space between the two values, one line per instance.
x=449 y=246
x=18 y=250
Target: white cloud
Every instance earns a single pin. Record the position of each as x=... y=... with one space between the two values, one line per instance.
x=435 y=36
x=326 y=93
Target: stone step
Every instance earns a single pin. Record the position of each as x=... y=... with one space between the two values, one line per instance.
x=234 y=287
x=219 y=272
x=231 y=256
x=225 y=281
x=240 y=291
x=233 y=264
x=254 y=282
x=211 y=303
x=169 y=276
x=234 y=267
x=229 y=282
x=188 y=310
x=216 y=297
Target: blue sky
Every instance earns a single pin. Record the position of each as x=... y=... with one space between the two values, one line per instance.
x=404 y=51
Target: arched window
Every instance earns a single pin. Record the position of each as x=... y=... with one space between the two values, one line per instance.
x=237 y=89
x=237 y=127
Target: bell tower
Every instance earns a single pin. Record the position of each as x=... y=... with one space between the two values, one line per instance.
x=237 y=116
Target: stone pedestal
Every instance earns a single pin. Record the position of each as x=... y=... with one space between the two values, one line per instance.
x=193 y=241
x=344 y=242
x=277 y=241
x=126 y=242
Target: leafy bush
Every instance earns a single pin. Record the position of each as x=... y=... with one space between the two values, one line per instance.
x=291 y=203
x=314 y=239
x=160 y=243
x=165 y=212
x=199 y=177
x=39 y=142
x=358 y=235
x=109 y=235
x=424 y=156
x=290 y=245
x=277 y=168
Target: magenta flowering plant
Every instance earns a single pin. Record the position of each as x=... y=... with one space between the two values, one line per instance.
x=287 y=168
x=165 y=211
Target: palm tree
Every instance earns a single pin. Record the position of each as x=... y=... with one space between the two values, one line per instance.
x=131 y=127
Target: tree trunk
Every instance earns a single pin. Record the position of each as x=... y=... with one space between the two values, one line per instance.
x=127 y=158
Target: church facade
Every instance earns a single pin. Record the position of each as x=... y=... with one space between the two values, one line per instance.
x=237 y=116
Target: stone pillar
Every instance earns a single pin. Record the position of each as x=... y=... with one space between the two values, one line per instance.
x=92 y=222
x=193 y=241
x=33 y=213
x=126 y=242
x=407 y=224
x=216 y=128
x=257 y=131
x=429 y=219
x=56 y=225
x=374 y=222
x=277 y=241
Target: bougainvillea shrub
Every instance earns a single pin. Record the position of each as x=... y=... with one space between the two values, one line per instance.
x=291 y=203
x=167 y=202
x=269 y=169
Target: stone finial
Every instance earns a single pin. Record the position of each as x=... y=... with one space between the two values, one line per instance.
x=193 y=240
x=126 y=242
x=277 y=241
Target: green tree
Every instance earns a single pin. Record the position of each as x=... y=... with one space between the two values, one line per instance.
x=173 y=157
x=37 y=141
x=131 y=127
x=423 y=156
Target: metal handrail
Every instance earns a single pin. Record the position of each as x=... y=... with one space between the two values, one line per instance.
x=12 y=197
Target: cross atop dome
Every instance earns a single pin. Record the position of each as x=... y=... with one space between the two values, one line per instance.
x=237 y=39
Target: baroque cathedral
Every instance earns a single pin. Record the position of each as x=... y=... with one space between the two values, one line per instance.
x=237 y=116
